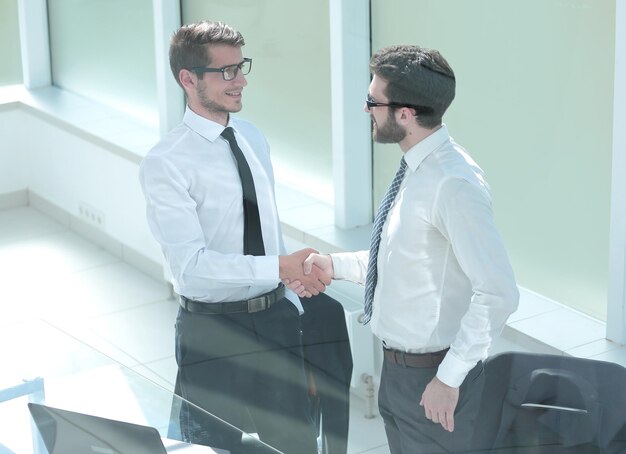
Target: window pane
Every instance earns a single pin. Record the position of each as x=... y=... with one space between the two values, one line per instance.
x=534 y=108
x=288 y=92
x=104 y=51
x=11 y=67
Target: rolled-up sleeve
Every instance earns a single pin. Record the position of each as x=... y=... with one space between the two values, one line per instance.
x=350 y=266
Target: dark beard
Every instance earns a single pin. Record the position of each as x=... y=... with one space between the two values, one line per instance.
x=390 y=132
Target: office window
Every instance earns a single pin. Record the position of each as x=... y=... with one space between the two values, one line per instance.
x=534 y=108
x=104 y=51
x=11 y=67
x=288 y=92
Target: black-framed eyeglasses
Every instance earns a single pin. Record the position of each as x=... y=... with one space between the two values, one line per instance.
x=419 y=109
x=229 y=72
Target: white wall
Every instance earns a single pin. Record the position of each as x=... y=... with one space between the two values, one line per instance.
x=66 y=169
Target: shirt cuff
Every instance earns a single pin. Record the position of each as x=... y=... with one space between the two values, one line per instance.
x=452 y=370
x=347 y=266
x=341 y=264
x=266 y=270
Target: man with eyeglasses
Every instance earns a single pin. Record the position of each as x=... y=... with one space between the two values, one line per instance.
x=209 y=189
x=438 y=283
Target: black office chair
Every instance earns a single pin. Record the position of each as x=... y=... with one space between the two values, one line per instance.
x=536 y=403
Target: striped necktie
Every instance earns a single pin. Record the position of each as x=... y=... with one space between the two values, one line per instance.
x=381 y=216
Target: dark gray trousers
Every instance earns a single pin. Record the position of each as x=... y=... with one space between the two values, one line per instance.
x=408 y=430
x=248 y=370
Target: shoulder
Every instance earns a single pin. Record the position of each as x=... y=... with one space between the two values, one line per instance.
x=164 y=153
x=458 y=183
x=172 y=141
x=456 y=168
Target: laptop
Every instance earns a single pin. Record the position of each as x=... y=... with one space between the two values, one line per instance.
x=68 y=432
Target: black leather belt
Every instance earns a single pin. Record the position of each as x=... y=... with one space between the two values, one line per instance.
x=415 y=359
x=259 y=303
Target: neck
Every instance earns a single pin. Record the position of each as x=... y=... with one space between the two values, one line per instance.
x=220 y=117
x=414 y=136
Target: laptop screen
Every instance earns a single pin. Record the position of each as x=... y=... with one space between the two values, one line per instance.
x=68 y=432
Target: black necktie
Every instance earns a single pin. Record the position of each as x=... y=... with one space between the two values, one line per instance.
x=252 y=236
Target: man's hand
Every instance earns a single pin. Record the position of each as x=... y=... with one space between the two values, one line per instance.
x=323 y=263
x=439 y=401
x=292 y=274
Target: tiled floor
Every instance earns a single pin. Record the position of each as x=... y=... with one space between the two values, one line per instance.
x=47 y=272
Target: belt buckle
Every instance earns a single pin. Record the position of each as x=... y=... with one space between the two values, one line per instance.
x=256 y=304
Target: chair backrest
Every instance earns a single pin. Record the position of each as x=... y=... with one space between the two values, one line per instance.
x=552 y=403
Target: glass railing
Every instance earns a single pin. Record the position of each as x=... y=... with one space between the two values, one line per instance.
x=60 y=395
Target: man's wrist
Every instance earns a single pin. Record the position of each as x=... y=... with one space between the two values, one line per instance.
x=439 y=381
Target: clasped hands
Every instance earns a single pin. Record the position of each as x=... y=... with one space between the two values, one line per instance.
x=306 y=272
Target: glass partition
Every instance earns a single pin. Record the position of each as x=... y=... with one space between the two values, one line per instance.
x=104 y=51
x=11 y=67
x=288 y=92
x=534 y=108
x=55 y=370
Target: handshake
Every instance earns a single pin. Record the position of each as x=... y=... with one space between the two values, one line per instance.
x=306 y=272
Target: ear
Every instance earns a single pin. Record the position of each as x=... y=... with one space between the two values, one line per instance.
x=405 y=115
x=187 y=78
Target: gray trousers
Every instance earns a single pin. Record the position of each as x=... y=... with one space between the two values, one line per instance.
x=248 y=370
x=408 y=430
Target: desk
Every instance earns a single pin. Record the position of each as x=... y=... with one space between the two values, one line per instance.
x=78 y=378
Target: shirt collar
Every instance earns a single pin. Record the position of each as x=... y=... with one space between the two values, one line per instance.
x=208 y=129
x=420 y=151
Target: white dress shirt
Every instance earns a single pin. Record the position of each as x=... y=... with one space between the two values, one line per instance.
x=195 y=210
x=444 y=278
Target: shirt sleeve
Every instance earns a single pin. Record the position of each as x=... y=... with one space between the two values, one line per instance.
x=172 y=218
x=462 y=213
x=351 y=266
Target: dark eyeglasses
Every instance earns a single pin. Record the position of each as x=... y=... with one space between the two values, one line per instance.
x=228 y=72
x=419 y=109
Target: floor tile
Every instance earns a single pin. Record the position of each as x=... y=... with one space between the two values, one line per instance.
x=52 y=254
x=84 y=334
x=617 y=355
x=365 y=433
x=531 y=305
x=563 y=329
x=99 y=291
x=34 y=348
x=593 y=348
x=145 y=332
x=23 y=223
x=503 y=344
x=161 y=372
x=113 y=392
